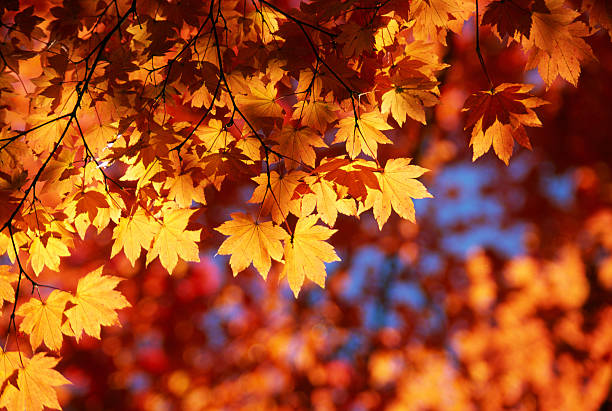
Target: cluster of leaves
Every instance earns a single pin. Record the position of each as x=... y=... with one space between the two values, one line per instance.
x=129 y=116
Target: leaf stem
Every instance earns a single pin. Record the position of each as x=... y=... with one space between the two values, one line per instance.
x=479 y=53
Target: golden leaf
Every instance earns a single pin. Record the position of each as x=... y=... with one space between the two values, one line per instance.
x=95 y=304
x=43 y=319
x=251 y=241
x=306 y=253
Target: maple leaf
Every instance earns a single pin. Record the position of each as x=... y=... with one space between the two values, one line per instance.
x=314 y=113
x=498 y=117
x=363 y=134
x=306 y=253
x=401 y=101
x=183 y=190
x=277 y=198
x=356 y=39
x=260 y=102
x=47 y=253
x=433 y=15
x=214 y=136
x=43 y=319
x=509 y=17
x=251 y=241
x=7 y=292
x=326 y=199
x=173 y=240
x=133 y=233
x=89 y=202
x=36 y=380
x=9 y=362
x=600 y=13
x=95 y=304
x=297 y=145
x=558 y=43
x=398 y=186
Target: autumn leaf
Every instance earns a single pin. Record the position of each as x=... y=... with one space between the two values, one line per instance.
x=497 y=118
x=9 y=362
x=277 y=199
x=363 y=134
x=433 y=15
x=404 y=101
x=43 y=319
x=600 y=13
x=356 y=39
x=314 y=113
x=214 y=136
x=509 y=17
x=558 y=44
x=325 y=197
x=7 y=292
x=36 y=380
x=260 y=102
x=132 y=234
x=306 y=252
x=251 y=241
x=173 y=240
x=297 y=145
x=398 y=186
x=90 y=202
x=95 y=304
x=46 y=251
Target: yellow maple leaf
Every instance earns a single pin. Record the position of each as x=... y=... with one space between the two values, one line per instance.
x=401 y=102
x=277 y=200
x=297 y=145
x=140 y=35
x=174 y=240
x=314 y=113
x=260 y=102
x=7 y=292
x=398 y=186
x=36 y=380
x=306 y=253
x=133 y=233
x=95 y=304
x=431 y=16
x=326 y=198
x=363 y=135
x=47 y=254
x=98 y=137
x=214 y=136
x=43 y=319
x=559 y=44
x=251 y=241
x=9 y=362
x=184 y=190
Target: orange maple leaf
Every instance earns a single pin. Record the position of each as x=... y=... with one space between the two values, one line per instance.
x=363 y=134
x=43 y=319
x=173 y=240
x=95 y=304
x=497 y=118
x=46 y=251
x=398 y=186
x=558 y=44
x=36 y=380
x=277 y=198
x=133 y=233
x=306 y=253
x=251 y=241
x=297 y=144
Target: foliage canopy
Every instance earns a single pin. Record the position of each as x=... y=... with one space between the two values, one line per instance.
x=142 y=123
